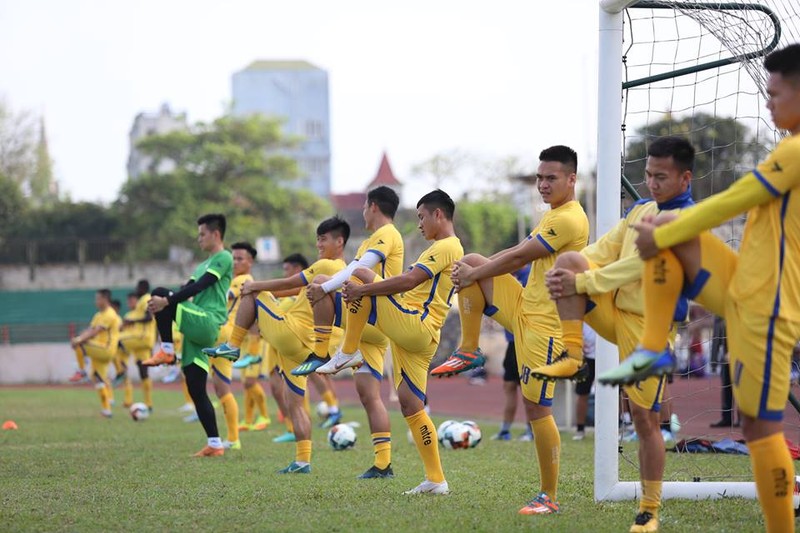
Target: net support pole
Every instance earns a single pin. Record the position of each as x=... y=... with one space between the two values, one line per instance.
x=609 y=157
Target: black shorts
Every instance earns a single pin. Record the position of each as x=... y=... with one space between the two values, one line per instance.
x=510 y=370
x=583 y=388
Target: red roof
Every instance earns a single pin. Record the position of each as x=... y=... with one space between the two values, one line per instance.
x=353 y=201
x=385 y=176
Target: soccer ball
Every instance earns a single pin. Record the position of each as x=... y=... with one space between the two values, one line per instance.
x=475 y=434
x=341 y=437
x=443 y=427
x=139 y=411
x=455 y=436
x=796 y=496
x=323 y=410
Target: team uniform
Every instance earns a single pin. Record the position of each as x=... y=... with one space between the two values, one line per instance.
x=223 y=368
x=102 y=348
x=138 y=339
x=528 y=312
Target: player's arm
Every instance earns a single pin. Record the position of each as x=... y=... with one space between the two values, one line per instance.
x=368 y=260
x=394 y=285
x=148 y=316
x=193 y=287
x=503 y=263
x=297 y=281
x=610 y=277
x=88 y=334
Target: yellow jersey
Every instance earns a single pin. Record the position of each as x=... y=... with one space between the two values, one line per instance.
x=386 y=242
x=563 y=229
x=110 y=322
x=299 y=316
x=145 y=329
x=431 y=298
x=234 y=296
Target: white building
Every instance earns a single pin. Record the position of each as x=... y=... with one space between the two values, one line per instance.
x=146 y=124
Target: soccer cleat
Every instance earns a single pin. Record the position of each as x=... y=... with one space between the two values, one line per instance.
x=79 y=377
x=340 y=361
x=186 y=408
x=460 y=361
x=638 y=366
x=118 y=380
x=378 y=473
x=232 y=445
x=244 y=426
x=208 y=451
x=160 y=358
x=296 y=468
x=562 y=367
x=332 y=420
x=526 y=437
x=645 y=523
x=579 y=435
x=106 y=413
x=247 y=360
x=429 y=487
x=502 y=435
x=191 y=418
x=541 y=504
x=224 y=350
x=674 y=424
x=286 y=437
x=261 y=424
x=310 y=365
x=172 y=376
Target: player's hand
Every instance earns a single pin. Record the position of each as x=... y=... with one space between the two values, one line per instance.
x=74 y=342
x=352 y=292
x=157 y=304
x=315 y=293
x=560 y=282
x=248 y=288
x=461 y=275
x=645 y=241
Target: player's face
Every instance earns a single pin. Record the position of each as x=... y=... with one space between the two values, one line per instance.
x=428 y=222
x=328 y=245
x=132 y=302
x=555 y=184
x=783 y=101
x=100 y=301
x=205 y=238
x=664 y=179
x=369 y=214
x=242 y=262
x=290 y=269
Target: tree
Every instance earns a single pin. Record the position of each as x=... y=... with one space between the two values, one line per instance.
x=17 y=144
x=726 y=149
x=488 y=225
x=12 y=206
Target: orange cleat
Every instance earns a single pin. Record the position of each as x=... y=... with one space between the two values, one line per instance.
x=160 y=358
x=208 y=451
x=460 y=361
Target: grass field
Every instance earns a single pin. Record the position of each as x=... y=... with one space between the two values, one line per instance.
x=67 y=469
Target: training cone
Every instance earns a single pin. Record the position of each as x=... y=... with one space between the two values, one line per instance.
x=10 y=424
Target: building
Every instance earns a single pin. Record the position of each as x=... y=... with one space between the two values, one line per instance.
x=146 y=124
x=350 y=205
x=297 y=92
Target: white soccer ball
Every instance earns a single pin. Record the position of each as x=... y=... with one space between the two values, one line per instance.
x=455 y=436
x=796 y=496
x=341 y=437
x=475 y=434
x=323 y=410
x=440 y=431
x=139 y=411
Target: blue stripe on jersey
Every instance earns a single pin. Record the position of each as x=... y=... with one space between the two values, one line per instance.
x=767 y=185
x=263 y=306
x=418 y=393
x=427 y=270
x=303 y=277
x=693 y=290
x=337 y=309
x=656 y=407
x=294 y=388
x=400 y=307
x=377 y=375
x=430 y=296
x=373 y=312
x=219 y=374
x=233 y=304
x=546 y=244
x=542 y=400
x=450 y=296
x=490 y=310
x=376 y=252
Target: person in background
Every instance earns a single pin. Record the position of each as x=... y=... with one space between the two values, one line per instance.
x=584 y=388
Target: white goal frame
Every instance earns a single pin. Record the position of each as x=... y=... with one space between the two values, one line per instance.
x=607 y=485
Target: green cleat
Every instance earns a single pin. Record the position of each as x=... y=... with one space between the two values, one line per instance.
x=247 y=360
x=286 y=437
x=638 y=366
x=310 y=365
x=224 y=350
x=296 y=468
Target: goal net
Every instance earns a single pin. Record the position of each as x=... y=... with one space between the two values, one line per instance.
x=693 y=69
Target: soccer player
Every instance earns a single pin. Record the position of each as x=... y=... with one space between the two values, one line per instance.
x=382 y=252
x=137 y=338
x=254 y=395
x=757 y=291
x=602 y=285
x=412 y=322
x=486 y=286
x=198 y=320
x=290 y=332
x=99 y=343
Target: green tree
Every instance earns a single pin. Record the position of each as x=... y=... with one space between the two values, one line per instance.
x=17 y=144
x=486 y=226
x=12 y=206
x=726 y=149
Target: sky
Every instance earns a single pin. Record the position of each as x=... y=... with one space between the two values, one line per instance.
x=495 y=79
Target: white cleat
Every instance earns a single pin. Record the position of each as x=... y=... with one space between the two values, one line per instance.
x=429 y=487
x=340 y=361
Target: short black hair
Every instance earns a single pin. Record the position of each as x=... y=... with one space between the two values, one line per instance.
x=785 y=61
x=296 y=259
x=678 y=148
x=386 y=200
x=336 y=226
x=561 y=154
x=133 y=295
x=246 y=246
x=214 y=222
x=438 y=199
x=142 y=286
x=116 y=304
x=105 y=293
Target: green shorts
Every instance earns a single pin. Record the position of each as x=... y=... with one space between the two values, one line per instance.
x=200 y=330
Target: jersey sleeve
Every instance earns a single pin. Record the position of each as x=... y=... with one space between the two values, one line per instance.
x=610 y=277
x=607 y=248
x=381 y=245
x=323 y=267
x=780 y=171
x=220 y=264
x=557 y=232
x=439 y=257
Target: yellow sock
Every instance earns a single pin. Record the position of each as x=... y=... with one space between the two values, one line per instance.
x=322 y=340
x=79 y=357
x=249 y=405
x=773 y=471
x=253 y=344
x=424 y=433
x=358 y=314
x=147 y=391
x=471 y=304
x=128 y=392
x=231 y=410
x=105 y=398
x=237 y=336
x=302 y=451
x=110 y=394
x=382 y=444
x=662 y=281
x=330 y=398
x=548 y=450
x=259 y=399
x=187 y=398
x=572 y=335
x=651 y=497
